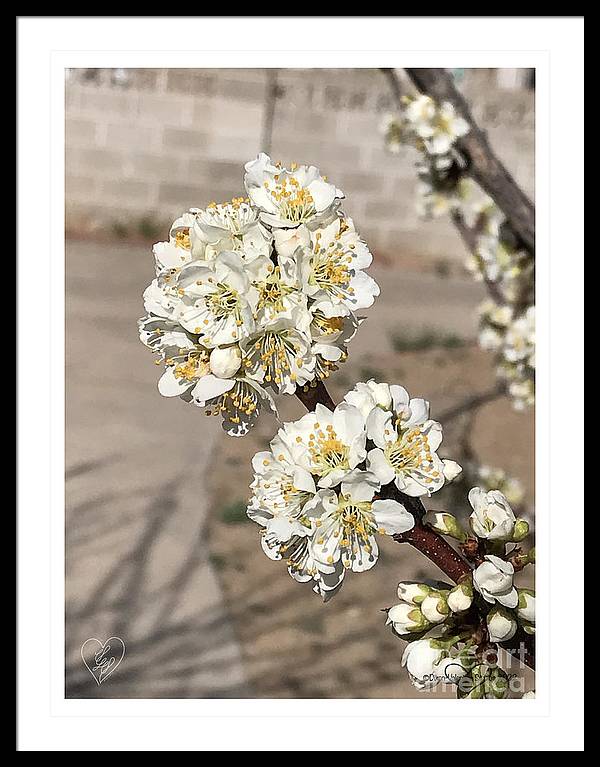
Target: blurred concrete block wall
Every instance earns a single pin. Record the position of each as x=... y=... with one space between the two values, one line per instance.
x=142 y=145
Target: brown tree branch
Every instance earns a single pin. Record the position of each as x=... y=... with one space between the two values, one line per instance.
x=482 y=164
x=427 y=541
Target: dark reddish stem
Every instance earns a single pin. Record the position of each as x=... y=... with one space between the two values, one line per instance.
x=437 y=549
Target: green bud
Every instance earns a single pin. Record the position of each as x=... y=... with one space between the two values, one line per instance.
x=521 y=531
x=419 y=622
x=415 y=593
x=435 y=607
x=525 y=609
x=406 y=619
x=524 y=595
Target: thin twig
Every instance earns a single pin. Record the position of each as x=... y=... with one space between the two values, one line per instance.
x=470 y=237
x=471 y=403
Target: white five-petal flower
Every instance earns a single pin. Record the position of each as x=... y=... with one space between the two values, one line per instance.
x=438 y=126
x=278 y=293
x=346 y=522
x=216 y=300
x=280 y=355
x=327 y=444
x=231 y=226
x=332 y=267
x=406 y=439
x=290 y=197
x=280 y=493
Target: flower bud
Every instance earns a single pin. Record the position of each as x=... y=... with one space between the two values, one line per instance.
x=435 y=607
x=451 y=669
x=526 y=606
x=492 y=518
x=409 y=591
x=521 y=531
x=421 y=658
x=406 y=619
x=501 y=624
x=461 y=597
x=528 y=695
x=444 y=523
x=224 y=363
x=493 y=579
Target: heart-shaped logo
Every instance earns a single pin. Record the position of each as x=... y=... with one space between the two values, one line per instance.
x=102 y=658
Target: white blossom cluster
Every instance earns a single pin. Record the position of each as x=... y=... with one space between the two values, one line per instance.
x=433 y=130
x=257 y=296
x=497 y=257
x=512 y=338
x=454 y=631
x=430 y=127
x=507 y=318
x=329 y=484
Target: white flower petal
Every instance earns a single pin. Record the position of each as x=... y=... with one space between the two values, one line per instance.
x=377 y=463
x=380 y=428
x=392 y=517
x=170 y=386
x=210 y=387
x=322 y=193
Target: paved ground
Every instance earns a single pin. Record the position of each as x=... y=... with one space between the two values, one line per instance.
x=137 y=563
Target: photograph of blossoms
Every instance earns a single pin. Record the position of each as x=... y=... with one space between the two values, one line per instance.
x=300 y=462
